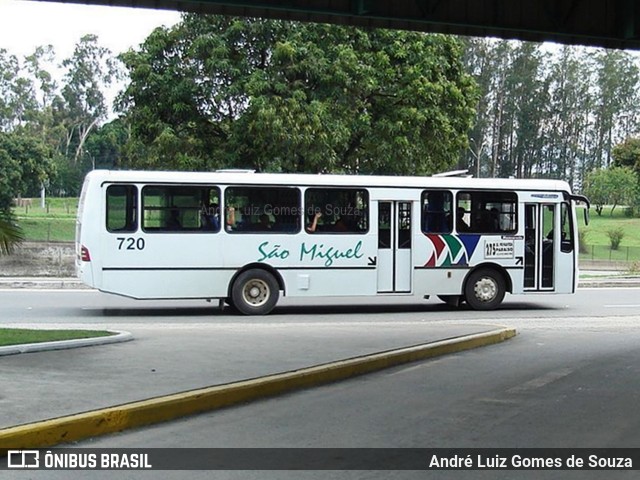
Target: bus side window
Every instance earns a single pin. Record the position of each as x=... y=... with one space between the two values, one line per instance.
x=180 y=208
x=566 y=228
x=336 y=210
x=259 y=209
x=488 y=211
x=437 y=214
x=122 y=208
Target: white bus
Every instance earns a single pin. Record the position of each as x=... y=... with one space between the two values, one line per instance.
x=247 y=238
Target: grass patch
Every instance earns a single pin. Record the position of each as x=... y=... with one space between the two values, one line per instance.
x=599 y=225
x=56 y=222
x=597 y=241
x=20 y=336
x=48 y=230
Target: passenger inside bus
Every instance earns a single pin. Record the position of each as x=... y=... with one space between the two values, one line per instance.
x=461 y=225
x=231 y=218
x=340 y=225
x=264 y=223
x=173 y=222
x=211 y=217
x=313 y=225
x=286 y=223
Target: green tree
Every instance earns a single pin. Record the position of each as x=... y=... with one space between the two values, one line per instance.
x=617 y=80
x=9 y=70
x=45 y=93
x=23 y=164
x=10 y=233
x=18 y=103
x=220 y=91
x=569 y=111
x=480 y=63
x=508 y=136
x=627 y=154
x=82 y=106
x=528 y=101
x=546 y=114
x=612 y=186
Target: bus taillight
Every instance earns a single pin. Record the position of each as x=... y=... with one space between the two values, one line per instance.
x=84 y=254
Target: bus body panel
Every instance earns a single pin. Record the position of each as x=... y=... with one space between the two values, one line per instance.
x=299 y=251
x=89 y=232
x=143 y=265
x=440 y=281
x=322 y=282
x=166 y=284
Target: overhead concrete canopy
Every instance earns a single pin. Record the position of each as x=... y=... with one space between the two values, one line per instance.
x=603 y=23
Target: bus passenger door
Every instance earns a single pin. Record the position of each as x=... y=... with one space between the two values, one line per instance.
x=394 y=247
x=539 y=237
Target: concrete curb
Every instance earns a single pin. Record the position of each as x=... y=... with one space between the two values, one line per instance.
x=65 y=344
x=160 y=409
x=610 y=282
x=42 y=283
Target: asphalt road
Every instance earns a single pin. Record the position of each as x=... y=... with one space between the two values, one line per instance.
x=571 y=378
x=91 y=307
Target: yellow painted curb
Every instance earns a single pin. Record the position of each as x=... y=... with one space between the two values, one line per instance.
x=159 y=409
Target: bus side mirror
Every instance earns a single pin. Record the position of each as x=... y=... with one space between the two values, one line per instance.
x=585 y=200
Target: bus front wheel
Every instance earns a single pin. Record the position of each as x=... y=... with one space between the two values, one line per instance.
x=255 y=292
x=485 y=289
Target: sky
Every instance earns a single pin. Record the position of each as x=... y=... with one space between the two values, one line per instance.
x=25 y=25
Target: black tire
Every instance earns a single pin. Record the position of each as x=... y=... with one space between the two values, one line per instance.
x=485 y=289
x=255 y=292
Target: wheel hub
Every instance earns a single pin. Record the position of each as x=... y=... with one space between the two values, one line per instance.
x=485 y=289
x=256 y=292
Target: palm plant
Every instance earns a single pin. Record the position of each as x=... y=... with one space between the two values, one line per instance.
x=10 y=234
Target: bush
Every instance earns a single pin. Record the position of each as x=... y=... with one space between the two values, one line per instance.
x=615 y=237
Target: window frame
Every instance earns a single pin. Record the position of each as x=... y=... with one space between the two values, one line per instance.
x=424 y=227
x=130 y=208
x=336 y=212
x=256 y=211
x=198 y=211
x=481 y=216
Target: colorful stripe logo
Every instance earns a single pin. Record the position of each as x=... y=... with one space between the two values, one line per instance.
x=451 y=250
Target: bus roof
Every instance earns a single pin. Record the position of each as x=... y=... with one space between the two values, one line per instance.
x=237 y=177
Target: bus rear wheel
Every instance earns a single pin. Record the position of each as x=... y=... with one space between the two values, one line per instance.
x=485 y=289
x=255 y=292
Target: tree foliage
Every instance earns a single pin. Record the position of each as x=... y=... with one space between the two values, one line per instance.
x=627 y=154
x=611 y=186
x=24 y=165
x=23 y=162
x=10 y=234
x=280 y=96
x=544 y=112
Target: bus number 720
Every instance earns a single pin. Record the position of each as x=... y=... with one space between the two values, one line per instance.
x=130 y=243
